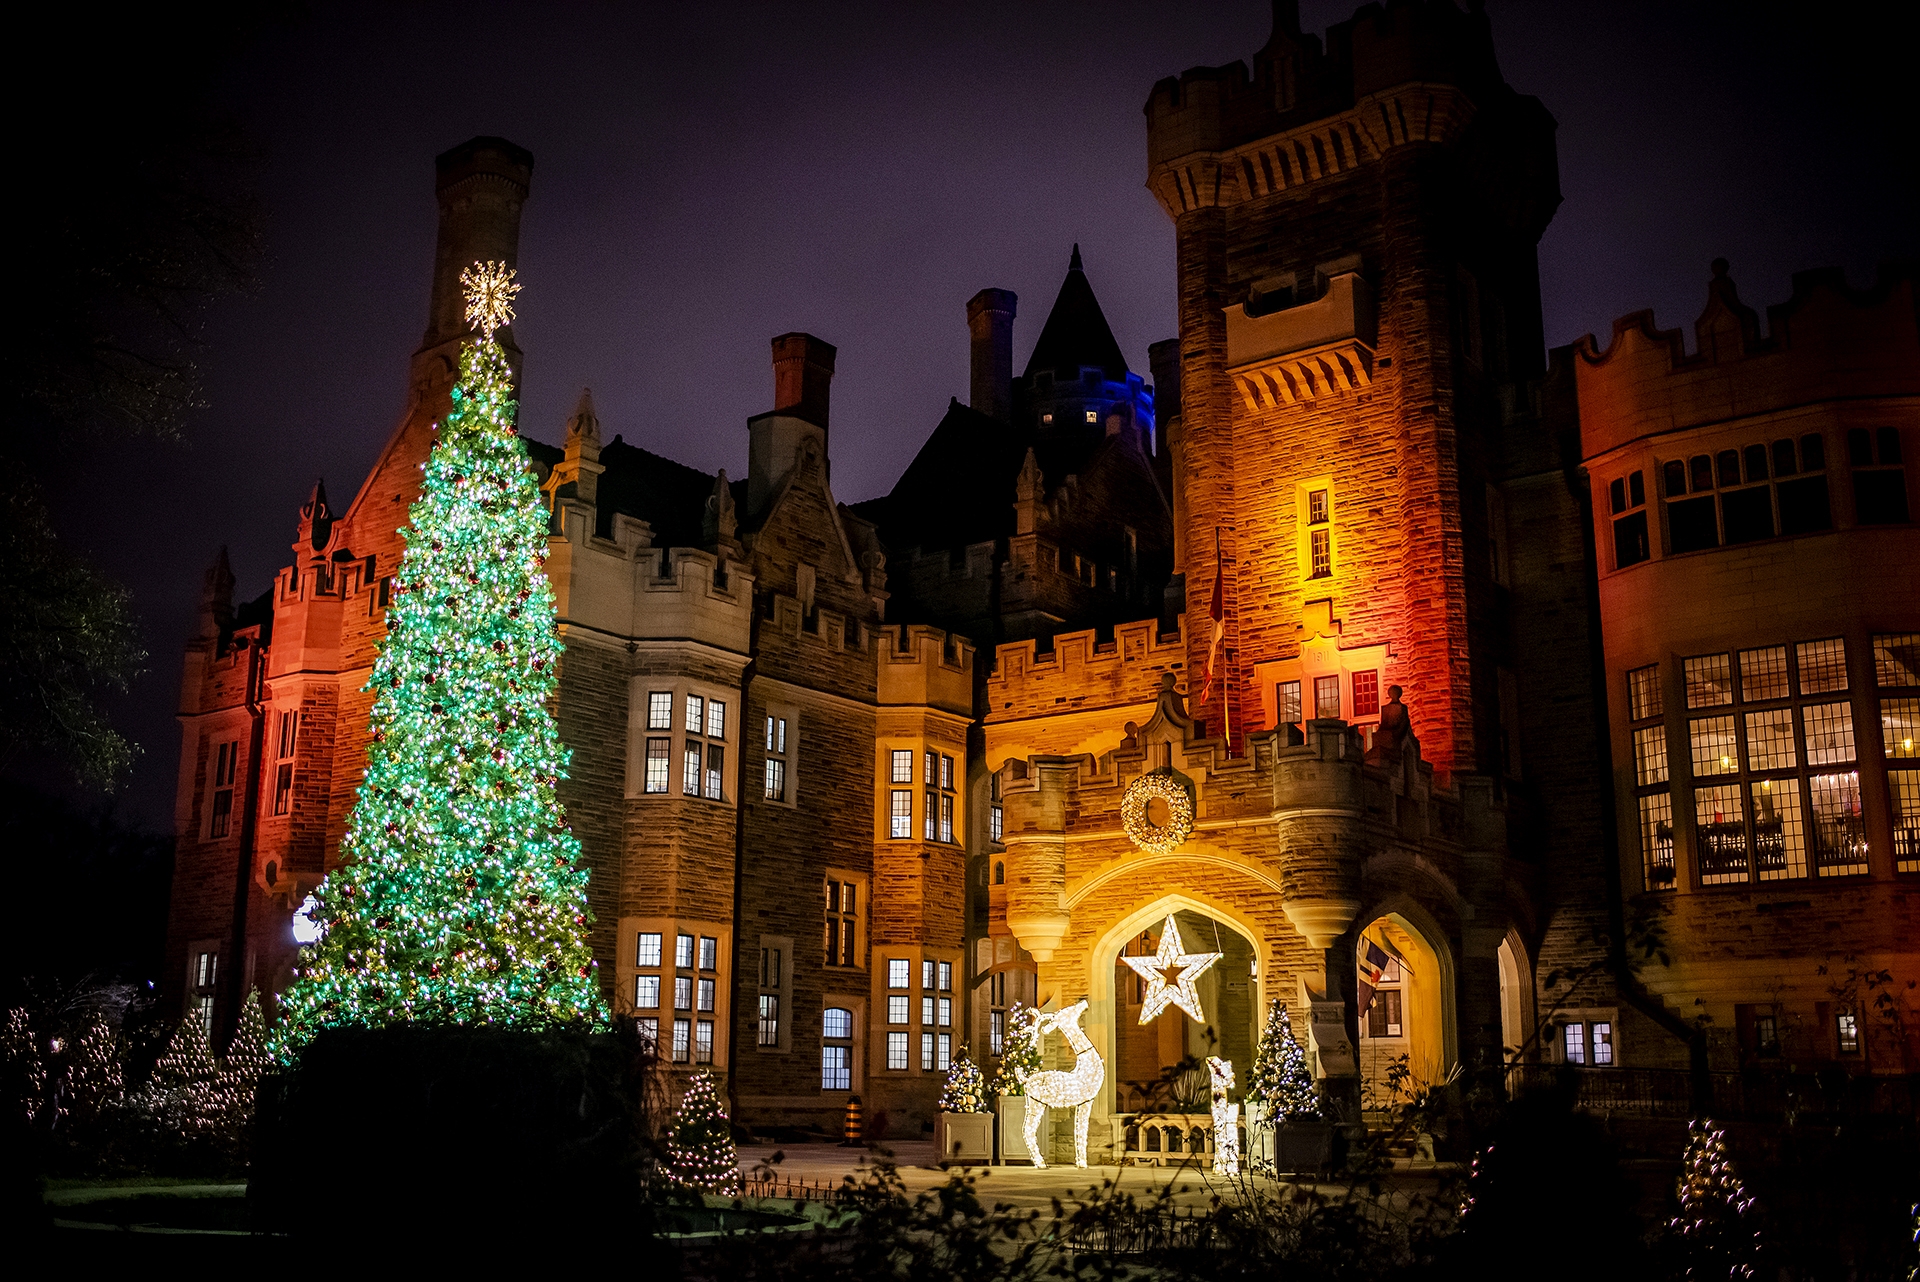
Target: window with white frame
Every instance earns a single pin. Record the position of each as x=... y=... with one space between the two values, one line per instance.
x=937 y=815
x=776 y=951
x=836 y=1049
x=287 y=740
x=778 y=772
x=226 y=762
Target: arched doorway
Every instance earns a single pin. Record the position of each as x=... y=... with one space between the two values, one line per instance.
x=1516 y=999
x=1160 y=1065
x=1405 y=1002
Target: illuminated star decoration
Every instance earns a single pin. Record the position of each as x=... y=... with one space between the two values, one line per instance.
x=489 y=289
x=1178 y=991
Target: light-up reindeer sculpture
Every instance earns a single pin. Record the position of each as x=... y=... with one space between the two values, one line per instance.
x=1072 y=1089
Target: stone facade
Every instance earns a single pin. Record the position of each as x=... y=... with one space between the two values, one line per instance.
x=1361 y=577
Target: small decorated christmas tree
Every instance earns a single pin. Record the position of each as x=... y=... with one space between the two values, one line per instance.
x=1718 y=1225
x=459 y=899
x=96 y=1082
x=184 y=1098
x=245 y=1063
x=966 y=1088
x=1280 y=1079
x=1021 y=1055
x=700 y=1153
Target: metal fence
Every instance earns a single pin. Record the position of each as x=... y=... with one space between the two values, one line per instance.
x=1760 y=1095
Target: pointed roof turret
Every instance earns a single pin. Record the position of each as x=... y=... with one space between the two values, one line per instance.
x=1076 y=332
x=316 y=517
x=584 y=423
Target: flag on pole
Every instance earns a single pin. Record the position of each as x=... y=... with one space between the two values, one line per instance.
x=1373 y=964
x=1218 y=613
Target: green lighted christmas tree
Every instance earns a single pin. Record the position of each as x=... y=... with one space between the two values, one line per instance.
x=966 y=1088
x=1280 y=1079
x=1718 y=1224
x=1021 y=1054
x=700 y=1153
x=460 y=900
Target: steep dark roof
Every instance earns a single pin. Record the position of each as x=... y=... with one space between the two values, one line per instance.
x=671 y=497
x=1076 y=332
x=959 y=487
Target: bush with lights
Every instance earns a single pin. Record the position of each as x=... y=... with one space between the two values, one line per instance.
x=460 y=899
x=700 y=1152
x=966 y=1087
x=1280 y=1079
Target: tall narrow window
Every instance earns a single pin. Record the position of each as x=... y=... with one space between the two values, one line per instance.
x=226 y=759
x=1627 y=496
x=1286 y=701
x=1896 y=675
x=842 y=918
x=996 y=813
x=776 y=780
x=836 y=1049
x=660 y=710
x=900 y=814
x=657 y=749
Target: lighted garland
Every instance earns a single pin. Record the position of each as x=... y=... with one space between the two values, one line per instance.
x=1157 y=839
x=460 y=898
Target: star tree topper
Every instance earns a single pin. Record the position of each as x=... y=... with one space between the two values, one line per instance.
x=489 y=289
x=1163 y=991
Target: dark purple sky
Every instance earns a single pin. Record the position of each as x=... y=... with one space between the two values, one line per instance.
x=709 y=176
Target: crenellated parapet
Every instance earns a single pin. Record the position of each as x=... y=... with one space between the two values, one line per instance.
x=1082 y=671
x=924 y=667
x=1826 y=342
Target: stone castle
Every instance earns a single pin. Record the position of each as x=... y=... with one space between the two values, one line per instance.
x=1582 y=687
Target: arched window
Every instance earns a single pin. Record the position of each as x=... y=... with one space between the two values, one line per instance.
x=836 y=1049
x=999 y=874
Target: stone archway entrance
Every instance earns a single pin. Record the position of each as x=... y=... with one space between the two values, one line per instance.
x=1162 y=1063
x=1404 y=1005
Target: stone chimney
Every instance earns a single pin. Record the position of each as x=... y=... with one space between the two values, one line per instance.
x=802 y=376
x=795 y=432
x=990 y=320
x=1163 y=358
x=482 y=185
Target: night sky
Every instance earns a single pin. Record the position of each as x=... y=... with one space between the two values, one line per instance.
x=709 y=176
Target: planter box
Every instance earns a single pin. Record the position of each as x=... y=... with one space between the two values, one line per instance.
x=965 y=1138
x=1011 y=1112
x=1302 y=1146
x=1259 y=1154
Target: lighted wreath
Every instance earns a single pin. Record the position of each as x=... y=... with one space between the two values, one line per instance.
x=1157 y=839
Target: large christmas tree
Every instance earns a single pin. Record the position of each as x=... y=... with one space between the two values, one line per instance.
x=1280 y=1079
x=460 y=899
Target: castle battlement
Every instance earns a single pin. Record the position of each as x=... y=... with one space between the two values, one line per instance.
x=924 y=666
x=1082 y=672
x=1826 y=342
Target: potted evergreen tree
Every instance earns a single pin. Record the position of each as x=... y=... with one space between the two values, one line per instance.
x=964 y=1131
x=1019 y=1058
x=1285 y=1131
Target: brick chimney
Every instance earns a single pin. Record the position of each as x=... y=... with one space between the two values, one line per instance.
x=990 y=320
x=802 y=375
x=482 y=185
x=796 y=430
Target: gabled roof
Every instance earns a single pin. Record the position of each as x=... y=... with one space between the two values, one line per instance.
x=1076 y=332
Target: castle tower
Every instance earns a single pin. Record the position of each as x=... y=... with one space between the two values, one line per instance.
x=1356 y=231
x=482 y=186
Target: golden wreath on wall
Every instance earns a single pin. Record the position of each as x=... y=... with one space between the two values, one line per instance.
x=1157 y=812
